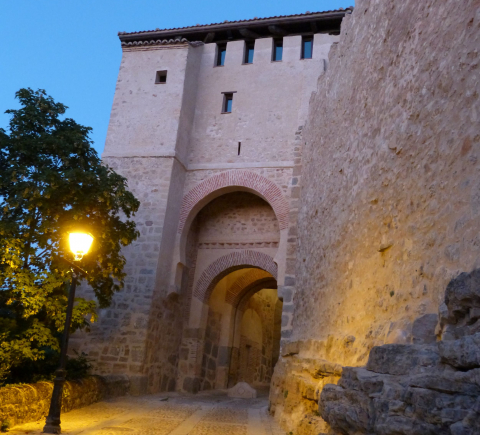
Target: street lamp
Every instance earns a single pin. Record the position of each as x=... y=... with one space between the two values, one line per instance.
x=80 y=244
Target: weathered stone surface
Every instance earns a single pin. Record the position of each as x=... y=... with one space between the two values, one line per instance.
x=463 y=296
x=444 y=383
x=423 y=329
x=349 y=409
x=403 y=405
x=413 y=389
x=402 y=359
x=296 y=385
x=242 y=391
x=460 y=313
x=290 y=348
x=463 y=353
x=362 y=379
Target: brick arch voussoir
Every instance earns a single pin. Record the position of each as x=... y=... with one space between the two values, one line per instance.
x=229 y=263
x=241 y=178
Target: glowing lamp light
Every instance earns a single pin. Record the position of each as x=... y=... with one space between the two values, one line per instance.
x=80 y=244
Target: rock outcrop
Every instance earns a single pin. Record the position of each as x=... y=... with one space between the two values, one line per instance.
x=421 y=388
x=297 y=382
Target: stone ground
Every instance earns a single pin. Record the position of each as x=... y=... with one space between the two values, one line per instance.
x=169 y=413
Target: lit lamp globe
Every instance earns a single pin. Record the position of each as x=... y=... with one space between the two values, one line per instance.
x=80 y=244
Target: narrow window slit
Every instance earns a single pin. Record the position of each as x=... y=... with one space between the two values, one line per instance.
x=239 y=146
x=277 y=52
x=248 y=52
x=221 y=52
x=307 y=47
x=161 y=77
x=227 y=103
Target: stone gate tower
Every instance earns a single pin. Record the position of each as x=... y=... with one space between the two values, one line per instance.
x=206 y=125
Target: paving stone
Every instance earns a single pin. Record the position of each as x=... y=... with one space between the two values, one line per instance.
x=205 y=428
x=168 y=414
x=227 y=415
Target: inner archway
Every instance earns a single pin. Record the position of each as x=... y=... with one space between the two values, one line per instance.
x=242 y=336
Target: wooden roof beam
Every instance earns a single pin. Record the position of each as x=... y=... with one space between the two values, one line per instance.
x=277 y=31
x=250 y=34
x=209 y=38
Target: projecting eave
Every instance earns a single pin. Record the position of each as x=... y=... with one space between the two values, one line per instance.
x=302 y=24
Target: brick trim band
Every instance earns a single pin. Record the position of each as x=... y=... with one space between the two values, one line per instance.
x=241 y=178
x=228 y=263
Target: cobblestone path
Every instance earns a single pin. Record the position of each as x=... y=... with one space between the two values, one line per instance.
x=167 y=414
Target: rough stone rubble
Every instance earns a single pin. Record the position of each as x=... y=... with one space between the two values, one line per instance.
x=423 y=388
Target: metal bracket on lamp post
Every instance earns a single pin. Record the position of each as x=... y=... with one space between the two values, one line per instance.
x=52 y=424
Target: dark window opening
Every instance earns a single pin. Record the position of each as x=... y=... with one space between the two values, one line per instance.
x=161 y=77
x=239 y=146
x=227 y=103
x=277 y=52
x=307 y=47
x=249 y=50
x=221 y=52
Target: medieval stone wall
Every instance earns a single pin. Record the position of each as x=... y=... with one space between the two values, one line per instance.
x=237 y=217
x=117 y=342
x=165 y=317
x=210 y=351
x=393 y=213
x=390 y=187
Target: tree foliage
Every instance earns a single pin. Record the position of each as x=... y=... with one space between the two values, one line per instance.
x=53 y=182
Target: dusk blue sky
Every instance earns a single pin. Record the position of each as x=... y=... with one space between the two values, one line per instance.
x=70 y=48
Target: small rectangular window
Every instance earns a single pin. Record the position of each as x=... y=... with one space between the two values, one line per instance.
x=249 y=50
x=227 y=103
x=161 y=77
x=277 y=52
x=307 y=47
x=221 y=52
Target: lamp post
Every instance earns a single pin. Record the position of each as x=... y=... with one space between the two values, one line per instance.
x=80 y=244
